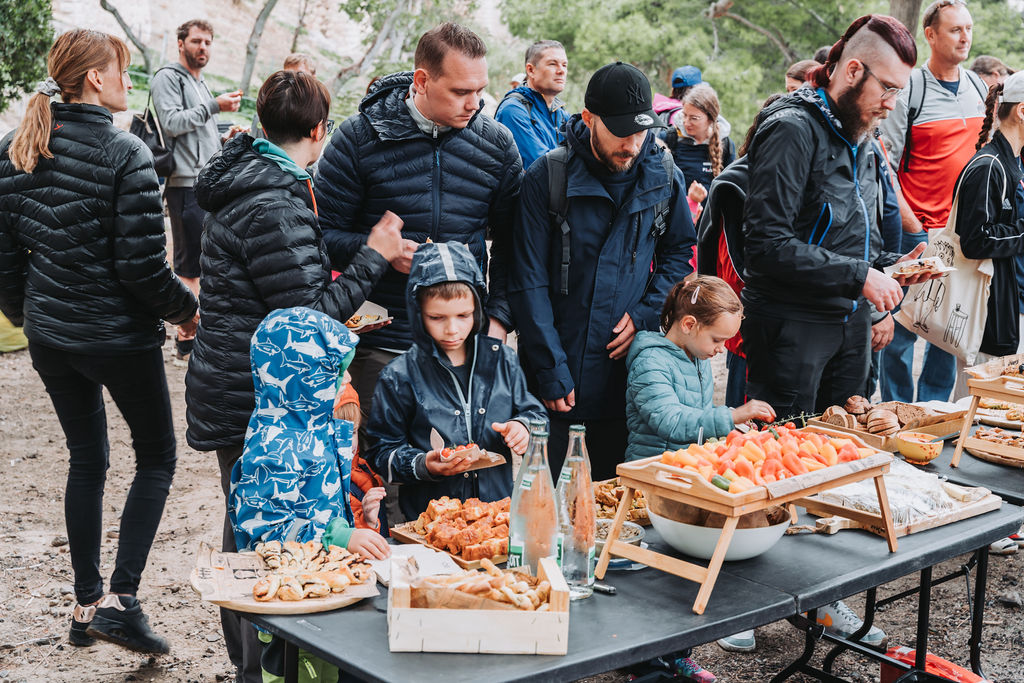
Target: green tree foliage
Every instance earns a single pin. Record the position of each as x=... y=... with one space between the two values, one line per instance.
x=25 y=37
x=736 y=43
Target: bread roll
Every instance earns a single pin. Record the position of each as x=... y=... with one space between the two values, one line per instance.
x=883 y=422
x=857 y=405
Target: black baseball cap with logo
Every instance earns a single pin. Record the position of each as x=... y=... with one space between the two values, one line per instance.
x=621 y=95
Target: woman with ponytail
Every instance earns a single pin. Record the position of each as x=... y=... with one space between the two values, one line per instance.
x=988 y=221
x=83 y=267
x=702 y=149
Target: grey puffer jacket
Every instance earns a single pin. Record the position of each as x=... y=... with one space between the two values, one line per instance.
x=83 y=259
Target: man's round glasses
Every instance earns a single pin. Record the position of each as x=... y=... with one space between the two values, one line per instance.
x=888 y=92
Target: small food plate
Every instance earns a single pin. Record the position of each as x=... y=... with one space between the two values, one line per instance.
x=368 y=315
x=479 y=458
x=931 y=264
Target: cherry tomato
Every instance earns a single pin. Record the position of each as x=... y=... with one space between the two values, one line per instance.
x=446 y=453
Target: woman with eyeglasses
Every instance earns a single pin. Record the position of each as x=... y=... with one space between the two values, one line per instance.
x=262 y=250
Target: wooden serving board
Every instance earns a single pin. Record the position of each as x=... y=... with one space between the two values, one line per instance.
x=831 y=525
x=404 y=533
x=253 y=606
x=997 y=458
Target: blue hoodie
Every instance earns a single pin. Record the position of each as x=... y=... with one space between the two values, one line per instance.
x=292 y=481
x=536 y=128
x=420 y=390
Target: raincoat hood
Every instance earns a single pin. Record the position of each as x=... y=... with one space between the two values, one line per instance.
x=433 y=264
x=297 y=356
x=239 y=170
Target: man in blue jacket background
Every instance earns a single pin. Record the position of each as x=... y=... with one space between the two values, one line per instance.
x=533 y=111
x=581 y=289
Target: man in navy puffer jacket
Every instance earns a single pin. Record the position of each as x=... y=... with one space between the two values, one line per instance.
x=420 y=147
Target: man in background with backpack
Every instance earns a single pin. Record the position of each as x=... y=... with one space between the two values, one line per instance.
x=930 y=136
x=602 y=234
x=187 y=112
x=533 y=111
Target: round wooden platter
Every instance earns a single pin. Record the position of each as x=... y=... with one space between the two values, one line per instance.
x=244 y=603
x=997 y=459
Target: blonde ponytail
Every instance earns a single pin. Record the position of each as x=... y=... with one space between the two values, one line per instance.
x=73 y=55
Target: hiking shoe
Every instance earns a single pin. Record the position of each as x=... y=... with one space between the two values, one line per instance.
x=1004 y=546
x=1017 y=538
x=182 y=349
x=840 y=620
x=739 y=642
x=120 y=620
x=80 y=618
x=689 y=670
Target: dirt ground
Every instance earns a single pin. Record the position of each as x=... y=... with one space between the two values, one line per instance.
x=35 y=591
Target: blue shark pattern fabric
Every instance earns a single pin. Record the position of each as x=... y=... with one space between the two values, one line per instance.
x=293 y=477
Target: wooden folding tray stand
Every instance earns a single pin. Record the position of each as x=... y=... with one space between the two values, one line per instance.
x=492 y=631
x=684 y=486
x=1002 y=388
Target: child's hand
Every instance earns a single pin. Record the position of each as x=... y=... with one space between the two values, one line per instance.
x=457 y=464
x=753 y=410
x=517 y=436
x=371 y=505
x=368 y=544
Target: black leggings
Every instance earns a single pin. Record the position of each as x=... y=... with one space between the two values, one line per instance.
x=138 y=385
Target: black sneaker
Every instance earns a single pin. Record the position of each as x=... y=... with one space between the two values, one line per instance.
x=120 y=620
x=80 y=619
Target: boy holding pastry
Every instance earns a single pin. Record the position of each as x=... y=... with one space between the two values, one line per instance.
x=455 y=379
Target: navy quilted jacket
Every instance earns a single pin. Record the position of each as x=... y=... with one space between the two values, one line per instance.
x=460 y=186
x=83 y=259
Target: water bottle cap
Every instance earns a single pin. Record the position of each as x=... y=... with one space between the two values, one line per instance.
x=577 y=428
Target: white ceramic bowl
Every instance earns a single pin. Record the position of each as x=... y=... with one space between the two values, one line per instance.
x=699 y=541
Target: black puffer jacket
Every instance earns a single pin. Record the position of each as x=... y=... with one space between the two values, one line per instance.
x=262 y=250
x=451 y=188
x=810 y=223
x=82 y=246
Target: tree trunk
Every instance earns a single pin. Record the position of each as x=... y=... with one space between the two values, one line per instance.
x=908 y=12
x=146 y=53
x=364 y=64
x=303 y=9
x=252 y=47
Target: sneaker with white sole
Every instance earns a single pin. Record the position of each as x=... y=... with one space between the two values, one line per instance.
x=688 y=670
x=1004 y=546
x=839 y=620
x=1017 y=538
x=739 y=642
x=119 y=619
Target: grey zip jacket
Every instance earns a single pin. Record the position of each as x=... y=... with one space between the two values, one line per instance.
x=187 y=111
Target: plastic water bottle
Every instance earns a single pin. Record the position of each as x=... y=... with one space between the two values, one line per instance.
x=533 y=524
x=576 y=517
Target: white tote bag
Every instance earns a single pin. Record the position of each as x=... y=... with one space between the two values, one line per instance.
x=950 y=312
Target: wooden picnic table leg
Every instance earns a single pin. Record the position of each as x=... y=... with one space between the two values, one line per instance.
x=715 y=564
x=965 y=430
x=613 y=533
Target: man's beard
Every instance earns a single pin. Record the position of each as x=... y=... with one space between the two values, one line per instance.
x=615 y=164
x=194 y=62
x=848 y=112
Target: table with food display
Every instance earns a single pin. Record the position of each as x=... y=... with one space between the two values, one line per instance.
x=699 y=543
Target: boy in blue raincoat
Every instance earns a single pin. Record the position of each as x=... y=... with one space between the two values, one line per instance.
x=455 y=379
x=292 y=481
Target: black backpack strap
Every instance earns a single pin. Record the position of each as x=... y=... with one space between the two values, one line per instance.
x=978 y=84
x=913 y=111
x=518 y=97
x=558 y=207
x=661 y=209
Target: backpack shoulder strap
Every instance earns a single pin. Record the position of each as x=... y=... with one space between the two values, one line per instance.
x=518 y=97
x=558 y=207
x=978 y=84
x=920 y=85
x=661 y=209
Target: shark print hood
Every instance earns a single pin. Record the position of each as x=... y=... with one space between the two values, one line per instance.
x=293 y=477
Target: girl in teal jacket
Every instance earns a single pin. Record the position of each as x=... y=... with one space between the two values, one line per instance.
x=669 y=388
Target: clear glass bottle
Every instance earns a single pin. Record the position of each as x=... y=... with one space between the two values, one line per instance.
x=533 y=524
x=577 y=519
x=536 y=426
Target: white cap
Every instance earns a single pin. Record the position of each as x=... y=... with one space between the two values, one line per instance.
x=1013 y=88
x=519 y=78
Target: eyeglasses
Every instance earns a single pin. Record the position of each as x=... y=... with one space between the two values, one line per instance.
x=888 y=92
x=329 y=126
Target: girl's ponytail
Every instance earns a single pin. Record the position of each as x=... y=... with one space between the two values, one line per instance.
x=32 y=139
x=715 y=150
x=990 y=110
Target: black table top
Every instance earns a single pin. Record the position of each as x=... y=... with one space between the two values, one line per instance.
x=1004 y=481
x=817 y=569
x=650 y=616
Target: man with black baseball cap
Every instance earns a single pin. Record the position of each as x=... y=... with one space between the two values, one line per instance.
x=604 y=232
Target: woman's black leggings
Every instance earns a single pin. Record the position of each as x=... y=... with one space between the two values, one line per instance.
x=138 y=385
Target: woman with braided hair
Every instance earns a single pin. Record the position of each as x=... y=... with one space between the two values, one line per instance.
x=701 y=151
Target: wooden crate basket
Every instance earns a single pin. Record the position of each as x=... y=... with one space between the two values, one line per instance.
x=684 y=486
x=1007 y=389
x=484 y=631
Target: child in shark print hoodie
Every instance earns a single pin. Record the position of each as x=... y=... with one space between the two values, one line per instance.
x=292 y=481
